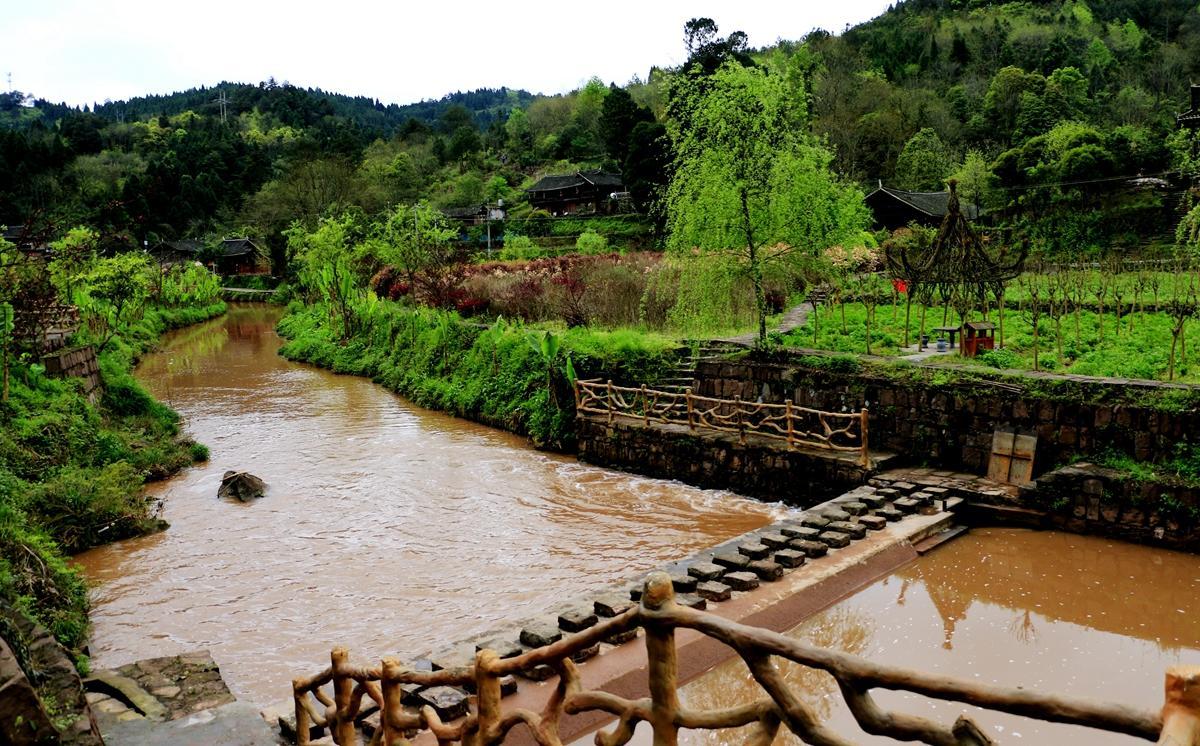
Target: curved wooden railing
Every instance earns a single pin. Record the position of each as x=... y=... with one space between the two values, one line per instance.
x=1178 y=724
x=791 y=423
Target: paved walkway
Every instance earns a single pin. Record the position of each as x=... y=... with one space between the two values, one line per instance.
x=795 y=318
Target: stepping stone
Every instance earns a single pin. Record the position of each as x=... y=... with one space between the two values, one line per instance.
x=635 y=593
x=773 y=541
x=922 y=498
x=789 y=558
x=835 y=514
x=855 y=508
x=410 y=694
x=834 y=539
x=540 y=672
x=754 y=550
x=904 y=487
x=622 y=637
x=938 y=492
x=891 y=493
x=682 y=582
x=810 y=547
x=711 y=590
x=731 y=560
x=814 y=521
x=692 y=601
x=508 y=685
x=589 y=652
x=846 y=527
x=452 y=659
x=874 y=502
x=873 y=522
x=612 y=604
x=766 y=570
x=577 y=619
x=741 y=581
x=800 y=532
x=706 y=571
x=504 y=648
x=907 y=505
x=953 y=503
x=889 y=513
x=449 y=702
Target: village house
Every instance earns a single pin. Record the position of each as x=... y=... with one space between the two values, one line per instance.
x=232 y=256
x=582 y=192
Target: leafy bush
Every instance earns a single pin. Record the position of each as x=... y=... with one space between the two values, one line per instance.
x=591 y=242
x=1001 y=358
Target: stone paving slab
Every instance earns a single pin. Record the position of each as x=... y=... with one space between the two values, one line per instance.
x=231 y=724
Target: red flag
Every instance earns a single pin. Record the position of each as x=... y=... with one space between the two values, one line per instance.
x=900 y=286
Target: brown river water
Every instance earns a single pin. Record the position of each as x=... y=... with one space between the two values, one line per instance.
x=1051 y=612
x=387 y=528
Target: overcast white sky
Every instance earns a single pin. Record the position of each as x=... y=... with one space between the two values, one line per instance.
x=82 y=51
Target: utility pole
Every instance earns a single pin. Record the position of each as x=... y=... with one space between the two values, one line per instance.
x=222 y=101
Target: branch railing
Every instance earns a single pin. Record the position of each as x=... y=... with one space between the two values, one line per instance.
x=1177 y=724
x=788 y=422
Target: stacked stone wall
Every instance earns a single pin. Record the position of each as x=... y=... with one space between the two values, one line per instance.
x=951 y=424
x=76 y=362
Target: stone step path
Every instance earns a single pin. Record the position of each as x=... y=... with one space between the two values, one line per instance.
x=715 y=576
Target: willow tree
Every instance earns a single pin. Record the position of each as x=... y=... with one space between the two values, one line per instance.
x=751 y=188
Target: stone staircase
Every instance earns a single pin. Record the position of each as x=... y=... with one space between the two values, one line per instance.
x=683 y=376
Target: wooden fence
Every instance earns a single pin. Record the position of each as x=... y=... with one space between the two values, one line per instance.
x=791 y=423
x=1178 y=723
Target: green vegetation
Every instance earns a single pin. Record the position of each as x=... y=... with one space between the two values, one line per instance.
x=71 y=474
x=506 y=374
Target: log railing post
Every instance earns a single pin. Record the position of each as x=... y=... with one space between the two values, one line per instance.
x=578 y=397
x=741 y=424
x=1181 y=711
x=392 y=732
x=302 y=720
x=487 y=688
x=611 y=404
x=691 y=419
x=645 y=406
x=343 y=689
x=662 y=665
x=790 y=431
x=866 y=456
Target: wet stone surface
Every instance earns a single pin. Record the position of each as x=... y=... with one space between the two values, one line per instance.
x=706 y=571
x=766 y=569
x=811 y=548
x=789 y=558
x=835 y=539
x=713 y=591
x=854 y=530
x=741 y=581
x=754 y=550
x=732 y=561
x=540 y=634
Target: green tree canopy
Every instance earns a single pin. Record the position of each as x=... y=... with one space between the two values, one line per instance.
x=924 y=163
x=746 y=184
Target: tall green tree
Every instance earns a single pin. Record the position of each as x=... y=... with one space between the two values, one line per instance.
x=747 y=185
x=924 y=163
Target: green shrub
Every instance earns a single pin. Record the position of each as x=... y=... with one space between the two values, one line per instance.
x=1001 y=358
x=591 y=242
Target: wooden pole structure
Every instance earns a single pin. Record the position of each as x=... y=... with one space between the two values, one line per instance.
x=610 y=402
x=790 y=433
x=302 y=721
x=1181 y=711
x=866 y=457
x=662 y=664
x=342 y=726
x=741 y=425
x=691 y=418
x=645 y=406
x=392 y=694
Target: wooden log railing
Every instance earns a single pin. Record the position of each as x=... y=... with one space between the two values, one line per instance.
x=1177 y=724
x=795 y=425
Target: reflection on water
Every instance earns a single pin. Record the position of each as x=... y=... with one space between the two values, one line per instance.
x=387 y=528
x=1052 y=612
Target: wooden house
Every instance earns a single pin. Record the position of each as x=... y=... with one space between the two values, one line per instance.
x=583 y=192
x=232 y=256
x=896 y=208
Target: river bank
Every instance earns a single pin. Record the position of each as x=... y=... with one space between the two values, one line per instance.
x=391 y=527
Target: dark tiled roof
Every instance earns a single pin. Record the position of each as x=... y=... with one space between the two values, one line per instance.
x=186 y=246
x=1188 y=119
x=600 y=179
x=933 y=204
x=460 y=213
x=238 y=247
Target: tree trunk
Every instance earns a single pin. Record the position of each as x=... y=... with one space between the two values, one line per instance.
x=907 y=315
x=760 y=296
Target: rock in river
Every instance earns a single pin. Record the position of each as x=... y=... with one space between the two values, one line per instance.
x=241 y=485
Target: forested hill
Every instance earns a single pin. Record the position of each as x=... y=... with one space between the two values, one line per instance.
x=1042 y=110
x=299 y=107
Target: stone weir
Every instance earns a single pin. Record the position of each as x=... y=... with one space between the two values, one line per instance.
x=761 y=467
x=773 y=577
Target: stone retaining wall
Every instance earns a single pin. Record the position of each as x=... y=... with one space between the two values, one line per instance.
x=717 y=460
x=1089 y=499
x=949 y=423
x=76 y=362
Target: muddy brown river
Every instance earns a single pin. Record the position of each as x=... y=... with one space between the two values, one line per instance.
x=387 y=528
x=1051 y=612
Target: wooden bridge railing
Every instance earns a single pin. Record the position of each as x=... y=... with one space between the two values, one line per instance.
x=791 y=423
x=1178 y=723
